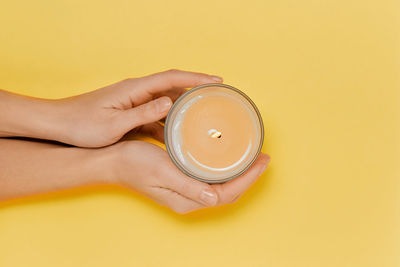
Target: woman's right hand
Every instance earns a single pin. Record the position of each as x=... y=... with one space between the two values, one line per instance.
x=101 y=117
x=148 y=170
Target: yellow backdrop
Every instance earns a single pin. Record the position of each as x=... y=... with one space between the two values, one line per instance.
x=325 y=77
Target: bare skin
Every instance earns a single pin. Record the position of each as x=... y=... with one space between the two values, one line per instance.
x=94 y=123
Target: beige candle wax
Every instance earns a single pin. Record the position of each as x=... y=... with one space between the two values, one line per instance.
x=213 y=133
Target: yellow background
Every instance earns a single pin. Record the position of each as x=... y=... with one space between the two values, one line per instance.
x=325 y=77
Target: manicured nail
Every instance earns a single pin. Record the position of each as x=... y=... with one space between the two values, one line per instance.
x=208 y=197
x=164 y=104
x=216 y=78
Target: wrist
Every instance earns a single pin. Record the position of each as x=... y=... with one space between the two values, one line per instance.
x=104 y=163
x=27 y=116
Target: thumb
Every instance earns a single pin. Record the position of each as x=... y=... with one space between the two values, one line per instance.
x=146 y=113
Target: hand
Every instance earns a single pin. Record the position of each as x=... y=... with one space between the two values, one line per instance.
x=147 y=169
x=102 y=117
x=28 y=167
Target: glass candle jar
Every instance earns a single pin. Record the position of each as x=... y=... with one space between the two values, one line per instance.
x=213 y=133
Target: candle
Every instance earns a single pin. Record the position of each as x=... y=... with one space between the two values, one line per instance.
x=213 y=133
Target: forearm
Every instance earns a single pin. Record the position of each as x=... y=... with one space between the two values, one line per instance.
x=28 y=167
x=27 y=116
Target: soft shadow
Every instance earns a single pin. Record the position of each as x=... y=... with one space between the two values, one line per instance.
x=59 y=196
x=204 y=215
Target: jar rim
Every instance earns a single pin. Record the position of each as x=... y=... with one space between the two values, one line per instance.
x=168 y=122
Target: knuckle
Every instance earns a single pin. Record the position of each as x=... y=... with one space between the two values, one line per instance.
x=128 y=80
x=150 y=108
x=145 y=112
x=171 y=77
x=130 y=83
x=229 y=195
x=172 y=71
x=229 y=198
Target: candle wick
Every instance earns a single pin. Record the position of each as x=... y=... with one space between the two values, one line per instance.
x=214 y=133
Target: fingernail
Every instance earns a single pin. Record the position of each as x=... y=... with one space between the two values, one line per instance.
x=216 y=78
x=208 y=197
x=164 y=104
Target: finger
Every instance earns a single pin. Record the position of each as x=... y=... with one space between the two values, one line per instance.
x=175 y=201
x=167 y=80
x=174 y=94
x=147 y=113
x=154 y=130
x=195 y=190
x=230 y=191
